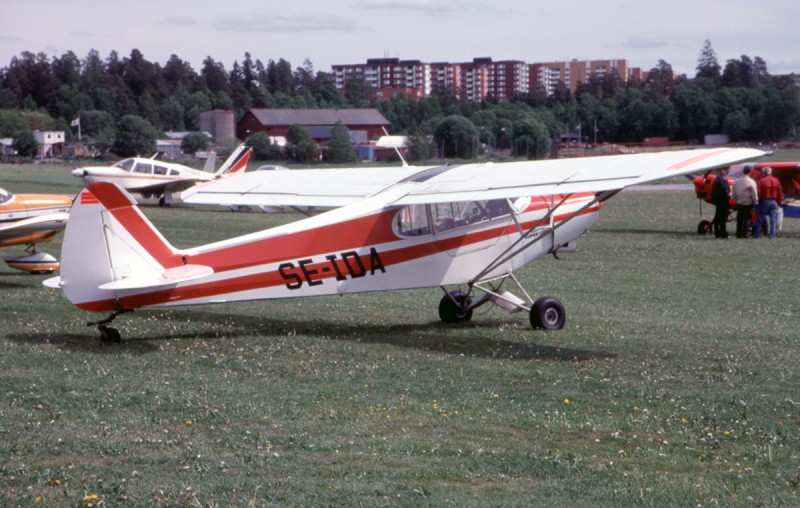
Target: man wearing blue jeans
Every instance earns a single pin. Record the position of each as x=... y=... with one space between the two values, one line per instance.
x=769 y=199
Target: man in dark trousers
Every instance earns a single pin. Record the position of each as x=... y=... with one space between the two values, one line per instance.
x=720 y=197
x=745 y=194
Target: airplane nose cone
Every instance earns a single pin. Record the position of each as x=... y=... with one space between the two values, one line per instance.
x=80 y=172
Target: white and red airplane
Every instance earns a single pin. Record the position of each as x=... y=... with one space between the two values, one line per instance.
x=150 y=177
x=394 y=228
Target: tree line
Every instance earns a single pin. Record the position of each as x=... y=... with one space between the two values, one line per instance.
x=114 y=95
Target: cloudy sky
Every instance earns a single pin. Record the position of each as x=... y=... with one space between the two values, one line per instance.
x=350 y=31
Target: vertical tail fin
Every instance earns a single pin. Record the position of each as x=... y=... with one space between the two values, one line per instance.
x=236 y=162
x=112 y=251
x=211 y=161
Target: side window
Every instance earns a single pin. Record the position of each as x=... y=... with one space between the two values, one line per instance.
x=497 y=208
x=159 y=170
x=143 y=167
x=412 y=221
x=446 y=216
x=174 y=172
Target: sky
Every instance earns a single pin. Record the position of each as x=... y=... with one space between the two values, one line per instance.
x=351 y=31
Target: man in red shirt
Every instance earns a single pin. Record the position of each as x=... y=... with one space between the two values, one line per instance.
x=769 y=199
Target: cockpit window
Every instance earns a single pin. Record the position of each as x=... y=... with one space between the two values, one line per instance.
x=4 y=195
x=415 y=220
x=126 y=164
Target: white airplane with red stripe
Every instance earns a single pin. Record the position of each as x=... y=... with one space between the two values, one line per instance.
x=150 y=177
x=464 y=228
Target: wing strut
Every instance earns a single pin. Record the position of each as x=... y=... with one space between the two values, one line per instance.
x=522 y=242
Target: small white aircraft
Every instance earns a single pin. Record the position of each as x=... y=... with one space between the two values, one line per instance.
x=150 y=177
x=468 y=226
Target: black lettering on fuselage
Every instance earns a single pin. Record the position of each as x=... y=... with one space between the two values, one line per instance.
x=341 y=266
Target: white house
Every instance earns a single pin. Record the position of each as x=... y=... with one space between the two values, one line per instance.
x=51 y=143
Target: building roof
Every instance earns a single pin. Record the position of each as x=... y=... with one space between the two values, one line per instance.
x=317 y=117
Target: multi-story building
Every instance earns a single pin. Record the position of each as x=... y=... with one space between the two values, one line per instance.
x=388 y=76
x=476 y=80
x=446 y=77
x=546 y=76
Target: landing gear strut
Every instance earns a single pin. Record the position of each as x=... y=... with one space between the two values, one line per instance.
x=107 y=333
x=546 y=313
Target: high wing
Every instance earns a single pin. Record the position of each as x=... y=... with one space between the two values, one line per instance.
x=565 y=176
x=468 y=182
x=307 y=187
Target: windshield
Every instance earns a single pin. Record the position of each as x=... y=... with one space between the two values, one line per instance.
x=5 y=195
x=126 y=165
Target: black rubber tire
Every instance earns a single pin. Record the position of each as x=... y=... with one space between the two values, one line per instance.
x=451 y=311
x=548 y=313
x=704 y=227
x=108 y=334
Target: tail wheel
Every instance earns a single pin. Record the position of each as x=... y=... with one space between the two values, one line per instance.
x=548 y=313
x=454 y=308
x=109 y=334
x=704 y=227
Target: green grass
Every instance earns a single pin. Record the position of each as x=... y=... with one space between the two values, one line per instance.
x=674 y=383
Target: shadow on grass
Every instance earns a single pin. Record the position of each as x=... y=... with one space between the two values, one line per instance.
x=4 y=284
x=654 y=232
x=85 y=343
x=434 y=336
x=473 y=339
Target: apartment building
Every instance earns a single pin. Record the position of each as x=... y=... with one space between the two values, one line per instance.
x=477 y=80
x=546 y=76
x=388 y=76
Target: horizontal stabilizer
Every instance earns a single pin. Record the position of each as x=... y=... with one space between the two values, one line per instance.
x=169 y=277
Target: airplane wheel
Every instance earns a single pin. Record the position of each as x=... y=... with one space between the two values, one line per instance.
x=455 y=312
x=161 y=201
x=704 y=227
x=108 y=334
x=548 y=313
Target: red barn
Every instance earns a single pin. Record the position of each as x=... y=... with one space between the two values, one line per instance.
x=364 y=124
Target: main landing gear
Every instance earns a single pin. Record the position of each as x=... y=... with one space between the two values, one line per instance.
x=546 y=313
x=107 y=333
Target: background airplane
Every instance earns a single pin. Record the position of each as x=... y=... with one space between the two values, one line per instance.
x=150 y=177
x=788 y=173
x=468 y=226
x=28 y=219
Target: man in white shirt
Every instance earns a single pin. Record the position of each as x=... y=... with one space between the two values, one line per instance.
x=745 y=194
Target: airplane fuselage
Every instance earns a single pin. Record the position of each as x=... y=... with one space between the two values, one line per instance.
x=142 y=175
x=16 y=208
x=358 y=248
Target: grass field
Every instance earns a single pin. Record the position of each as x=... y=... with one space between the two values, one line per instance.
x=674 y=383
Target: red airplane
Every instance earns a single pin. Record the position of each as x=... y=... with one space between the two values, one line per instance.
x=788 y=173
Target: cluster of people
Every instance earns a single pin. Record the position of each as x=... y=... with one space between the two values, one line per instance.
x=764 y=197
